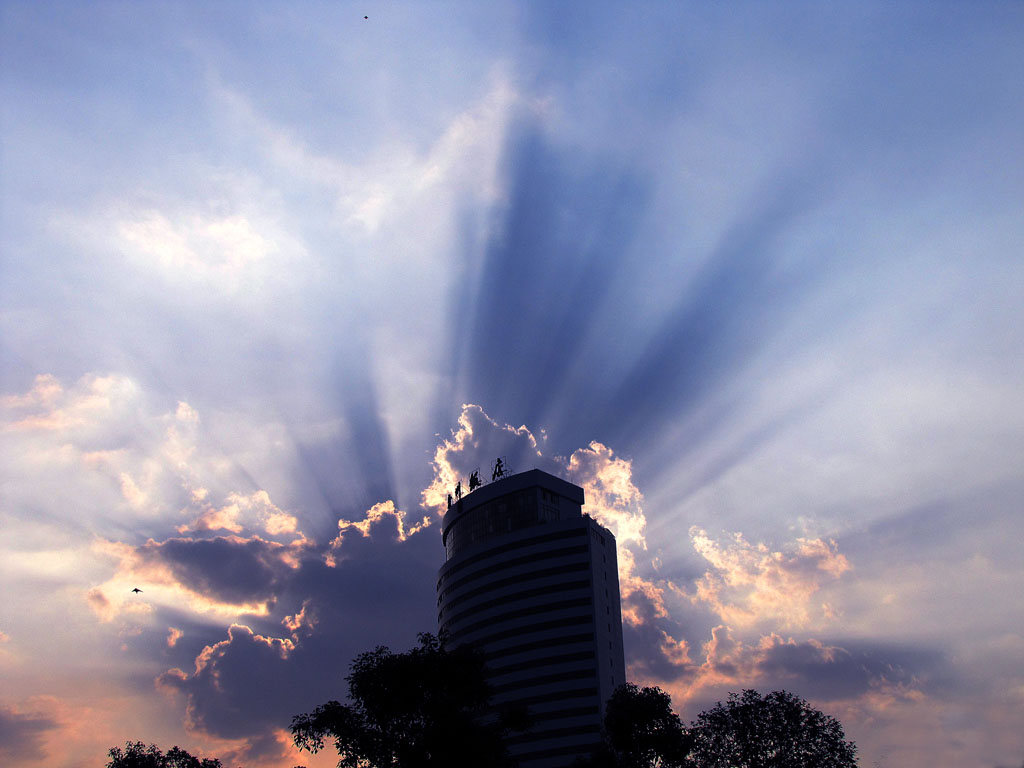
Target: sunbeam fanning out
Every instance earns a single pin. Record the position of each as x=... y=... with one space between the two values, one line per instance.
x=274 y=279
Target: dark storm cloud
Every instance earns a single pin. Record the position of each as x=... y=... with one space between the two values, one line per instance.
x=21 y=734
x=646 y=649
x=230 y=677
x=228 y=569
x=824 y=671
x=838 y=670
x=380 y=592
x=846 y=670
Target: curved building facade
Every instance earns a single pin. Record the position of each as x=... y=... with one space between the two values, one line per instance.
x=533 y=582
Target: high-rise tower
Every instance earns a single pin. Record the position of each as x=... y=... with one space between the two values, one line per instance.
x=534 y=582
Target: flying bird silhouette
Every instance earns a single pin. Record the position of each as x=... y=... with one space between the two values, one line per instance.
x=136 y=590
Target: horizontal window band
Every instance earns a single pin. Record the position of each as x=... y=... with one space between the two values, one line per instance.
x=561 y=714
x=533 y=610
x=557 y=677
x=528 y=629
x=554 y=733
x=519 y=578
x=584 y=637
x=584 y=750
x=545 y=698
x=572 y=533
x=547 y=661
x=504 y=565
x=512 y=597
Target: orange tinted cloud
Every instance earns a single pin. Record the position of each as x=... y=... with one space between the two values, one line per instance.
x=173 y=636
x=190 y=573
x=749 y=583
x=383 y=512
x=241 y=512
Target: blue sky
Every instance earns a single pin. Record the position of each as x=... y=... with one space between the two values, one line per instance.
x=272 y=277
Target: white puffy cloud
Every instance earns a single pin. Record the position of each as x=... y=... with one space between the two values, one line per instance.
x=212 y=251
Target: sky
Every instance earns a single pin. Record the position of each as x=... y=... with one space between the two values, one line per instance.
x=273 y=276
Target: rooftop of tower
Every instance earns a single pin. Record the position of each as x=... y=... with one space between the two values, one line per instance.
x=551 y=490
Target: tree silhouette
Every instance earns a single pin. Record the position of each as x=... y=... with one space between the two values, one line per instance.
x=426 y=708
x=779 y=730
x=640 y=731
x=137 y=755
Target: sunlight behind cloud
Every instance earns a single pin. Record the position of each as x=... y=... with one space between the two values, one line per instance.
x=384 y=511
x=750 y=584
x=749 y=275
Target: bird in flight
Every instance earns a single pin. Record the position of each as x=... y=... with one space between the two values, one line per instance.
x=136 y=590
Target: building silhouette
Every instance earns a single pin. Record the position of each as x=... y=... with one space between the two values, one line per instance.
x=533 y=581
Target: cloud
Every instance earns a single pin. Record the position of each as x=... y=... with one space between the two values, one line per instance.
x=103 y=449
x=48 y=407
x=382 y=516
x=367 y=587
x=749 y=584
x=216 y=252
x=877 y=689
x=23 y=734
x=113 y=452
x=848 y=669
x=230 y=575
x=300 y=609
x=373 y=187
x=253 y=511
x=238 y=669
x=46 y=390
x=836 y=671
x=173 y=636
x=274 y=747
x=612 y=498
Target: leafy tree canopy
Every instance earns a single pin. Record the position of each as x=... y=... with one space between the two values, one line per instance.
x=138 y=755
x=779 y=730
x=426 y=708
x=640 y=731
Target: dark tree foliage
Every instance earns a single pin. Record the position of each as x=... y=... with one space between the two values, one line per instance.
x=640 y=731
x=426 y=708
x=138 y=755
x=779 y=730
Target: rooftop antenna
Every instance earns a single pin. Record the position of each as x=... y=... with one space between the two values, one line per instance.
x=499 y=469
